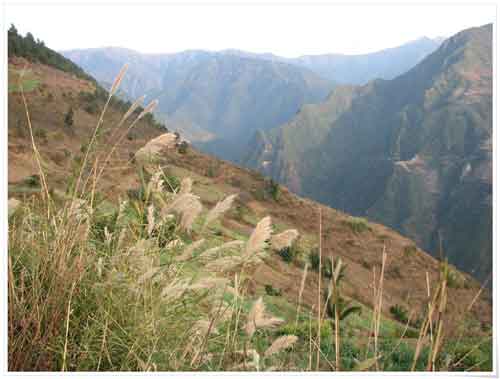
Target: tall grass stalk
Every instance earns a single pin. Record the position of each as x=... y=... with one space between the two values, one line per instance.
x=318 y=337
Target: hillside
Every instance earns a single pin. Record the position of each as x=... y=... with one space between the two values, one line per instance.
x=212 y=179
x=211 y=98
x=120 y=293
x=413 y=153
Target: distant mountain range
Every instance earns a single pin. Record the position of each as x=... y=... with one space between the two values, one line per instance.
x=216 y=100
x=219 y=99
x=414 y=153
x=361 y=68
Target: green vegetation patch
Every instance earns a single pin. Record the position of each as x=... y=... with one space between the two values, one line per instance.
x=357 y=224
x=26 y=81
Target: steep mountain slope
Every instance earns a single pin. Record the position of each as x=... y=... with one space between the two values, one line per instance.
x=60 y=146
x=217 y=100
x=413 y=153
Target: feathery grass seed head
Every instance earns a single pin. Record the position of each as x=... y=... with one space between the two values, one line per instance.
x=284 y=239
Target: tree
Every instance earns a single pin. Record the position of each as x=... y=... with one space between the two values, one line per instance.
x=68 y=119
x=14 y=43
x=12 y=30
x=183 y=146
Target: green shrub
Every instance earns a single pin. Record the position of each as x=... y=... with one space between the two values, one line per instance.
x=399 y=313
x=40 y=134
x=92 y=107
x=274 y=189
x=301 y=330
x=409 y=250
x=326 y=267
x=454 y=278
x=314 y=259
x=394 y=272
x=212 y=171
x=365 y=264
x=183 y=147
x=68 y=118
x=468 y=355
x=357 y=224
x=271 y=291
x=349 y=355
x=172 y=182
x=289 y=253
x=400 y=358
x=33 y=181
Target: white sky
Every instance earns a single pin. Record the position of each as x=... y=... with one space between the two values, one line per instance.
x=287 y=30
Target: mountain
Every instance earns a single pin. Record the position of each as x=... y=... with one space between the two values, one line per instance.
x=217 y=100
x=111 y=256
x=414 y=153
x=359 y=68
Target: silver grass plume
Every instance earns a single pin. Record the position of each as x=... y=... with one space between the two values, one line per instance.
x=213 y=252
x=256 y=312
x=175 y=290
x=118 y=79
x=132 y=108
x=220 y=208
x=151 y=219
x=202 y=327
x=155 y=184
x=188 y=206
x=149 y=108
x=186 y=186
x=190 y=214
x=223 y=264
x=258 y=319
x=280 y=344
x=257 y=241
x=284 y=239
x=188 y=251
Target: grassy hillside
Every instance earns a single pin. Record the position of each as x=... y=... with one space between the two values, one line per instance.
x=125 y=277
x=413 y=153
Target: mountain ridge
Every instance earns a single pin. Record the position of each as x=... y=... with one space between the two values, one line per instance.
x=389 y=144
x=218 y=115
x=212 y=98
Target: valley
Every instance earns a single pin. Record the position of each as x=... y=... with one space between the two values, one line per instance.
x=155 y=251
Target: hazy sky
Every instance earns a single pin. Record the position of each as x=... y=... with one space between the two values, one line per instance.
x=289 y=30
